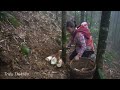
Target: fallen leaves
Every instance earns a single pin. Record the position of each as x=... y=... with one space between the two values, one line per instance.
x=39 y=34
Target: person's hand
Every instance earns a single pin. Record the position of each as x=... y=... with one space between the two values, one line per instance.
x=77 y=57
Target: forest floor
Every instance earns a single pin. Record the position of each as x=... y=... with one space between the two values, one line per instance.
x=112 y=69
x=41 y=35
x=36 y=70
x=111 y=64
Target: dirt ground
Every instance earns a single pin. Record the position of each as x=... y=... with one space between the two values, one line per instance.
x=36 y=70
x=112 y=70
x=39 y=33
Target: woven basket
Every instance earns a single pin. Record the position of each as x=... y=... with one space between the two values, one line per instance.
x=79 y=65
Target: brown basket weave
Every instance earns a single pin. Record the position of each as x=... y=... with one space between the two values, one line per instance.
x=79 y=73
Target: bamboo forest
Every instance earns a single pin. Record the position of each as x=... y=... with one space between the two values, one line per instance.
x=59 y=44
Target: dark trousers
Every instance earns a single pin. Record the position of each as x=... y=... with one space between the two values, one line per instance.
x=85 y=54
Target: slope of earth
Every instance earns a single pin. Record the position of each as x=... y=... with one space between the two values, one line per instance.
x=39 y=33
x=112 y=68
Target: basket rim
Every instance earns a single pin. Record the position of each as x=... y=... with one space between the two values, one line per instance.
x=83 y=71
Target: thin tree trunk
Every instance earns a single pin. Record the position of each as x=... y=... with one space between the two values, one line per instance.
x=104 y=27
x=116 y=32
x=75 y=15
x=103 y=33
x=86 y=16
x=0 y=52
x=91 y=19
x=64 y=36
x=56 y=15
x=75 y=19
x=82 y=16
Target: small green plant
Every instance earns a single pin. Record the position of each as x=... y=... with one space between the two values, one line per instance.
x=58 y=40
x=101 y=74
x=95 y=35
x=109 y=56
x=25 y=50
x=68 y=37
x=6 y=17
